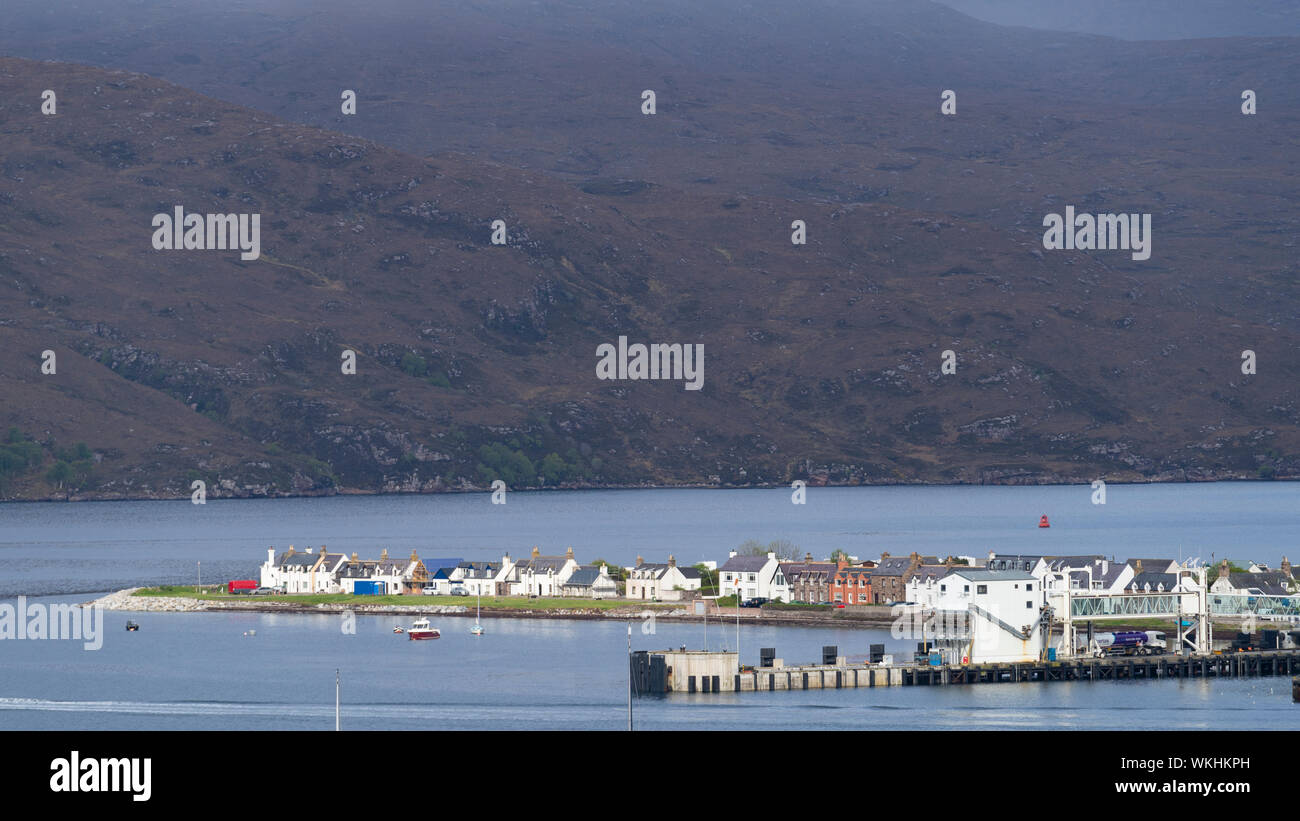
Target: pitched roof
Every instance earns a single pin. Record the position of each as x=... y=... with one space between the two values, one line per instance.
x=1158 y=581
x=797 y=570
x=540 y=564
x=479 y=570
x=299 y=560
x=1017 y=561
x=745 y=564
x=1152 y=565
x=584 y=577
x=931 y=572
x=1272 y=583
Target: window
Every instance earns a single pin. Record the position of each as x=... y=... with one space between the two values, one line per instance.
x=1029 y=587
x=982 y=588
x=943 y=588
x=1029 y=604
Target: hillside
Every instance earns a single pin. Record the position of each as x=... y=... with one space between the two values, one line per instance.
x=822 y=361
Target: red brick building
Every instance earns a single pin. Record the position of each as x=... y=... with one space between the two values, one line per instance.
x=851 y=585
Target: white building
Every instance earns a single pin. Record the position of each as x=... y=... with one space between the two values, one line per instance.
x=1003 y=614
x=590 y=583
x=661 y=582
x=540 y=575
x=305 y=572
x=481 y=578
x=753 y=577
x=923 y=587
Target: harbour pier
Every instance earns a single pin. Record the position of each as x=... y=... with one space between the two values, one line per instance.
x=697 y=671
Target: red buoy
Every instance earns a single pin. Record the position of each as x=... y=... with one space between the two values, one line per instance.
x=1042 y=521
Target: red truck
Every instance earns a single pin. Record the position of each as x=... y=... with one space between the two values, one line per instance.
x=241 y=586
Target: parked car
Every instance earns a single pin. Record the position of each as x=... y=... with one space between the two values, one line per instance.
x=757 y=601
x=459 y=591
x=430 y=591
x=263 y=591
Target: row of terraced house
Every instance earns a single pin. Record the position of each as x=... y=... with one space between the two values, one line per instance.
x=537 y=575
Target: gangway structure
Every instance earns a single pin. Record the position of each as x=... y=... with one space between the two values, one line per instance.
x=1189 y=608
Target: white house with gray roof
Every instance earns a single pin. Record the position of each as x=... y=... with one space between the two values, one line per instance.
x=662 y=582
x=753 y=577
x=302 y=572
x=591 y=583
x=540 y=575
x=481 y=578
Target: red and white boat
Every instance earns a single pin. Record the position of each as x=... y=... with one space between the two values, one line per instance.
x=420 y=630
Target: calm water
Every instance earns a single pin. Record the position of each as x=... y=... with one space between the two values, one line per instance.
x=51 y=548
x=198 y=670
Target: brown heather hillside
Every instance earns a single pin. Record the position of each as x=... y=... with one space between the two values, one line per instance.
x=821 y=361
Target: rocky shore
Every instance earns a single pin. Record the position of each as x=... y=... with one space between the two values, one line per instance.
x=127 y=601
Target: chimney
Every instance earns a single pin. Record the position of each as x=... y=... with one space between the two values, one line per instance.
x=640 y=561
x=383 y=554
x=604 y=570
x=270 y=556
x=771 y=555
x=672 y=561
x=1137 y=567
x=884 y=556
x=948 y=562
x=354 y=556
x=731 y=555
x=290 y=550
x=536 y=552
x=807 y=557
x=1223 y=569
x=1105 y=567
x=308 y=551
x=568 y=554
x=414 y=557
x=841 y=563
x=1286 y=567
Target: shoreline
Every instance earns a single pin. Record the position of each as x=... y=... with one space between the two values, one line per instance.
x=124 y=600
x=879 y=618
x=1183 y=479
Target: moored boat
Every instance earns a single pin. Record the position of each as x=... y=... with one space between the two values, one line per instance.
x=131 y=627
x=1042 y=521
x=420 y=630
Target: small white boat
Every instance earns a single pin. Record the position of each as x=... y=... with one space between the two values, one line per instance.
x=421 y=630
x=399 y=629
